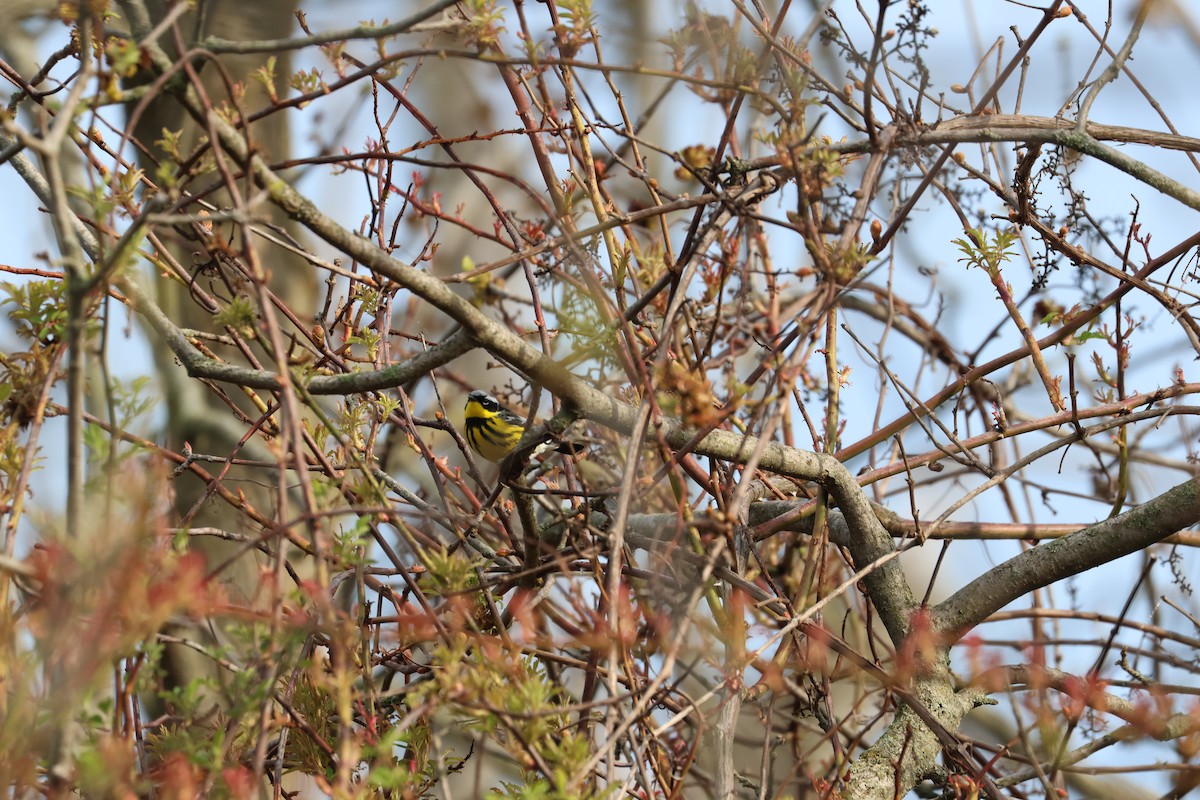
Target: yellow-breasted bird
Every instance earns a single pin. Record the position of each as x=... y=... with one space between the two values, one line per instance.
x=493 y=431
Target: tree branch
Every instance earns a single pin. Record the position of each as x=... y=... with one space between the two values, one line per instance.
x=1041 y=566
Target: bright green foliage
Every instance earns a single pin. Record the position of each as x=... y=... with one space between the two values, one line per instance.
x=449 y=572
x=266 y=76
x=240 y=314
x=979 y=251
x=38 y=309
x=484 y=23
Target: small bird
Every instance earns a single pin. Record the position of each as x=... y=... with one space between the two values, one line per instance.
x=493 y=431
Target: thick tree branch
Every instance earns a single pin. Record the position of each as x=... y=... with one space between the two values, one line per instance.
x=1020 y=129
x=1106 y=541
x=218 y=45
